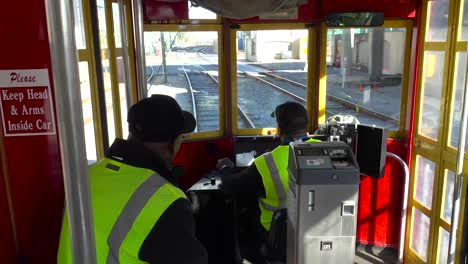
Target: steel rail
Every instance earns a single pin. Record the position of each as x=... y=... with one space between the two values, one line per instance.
x=241 y=111
x=338 y=100
x=295 y=96
x=150 y=79
x=194 y=107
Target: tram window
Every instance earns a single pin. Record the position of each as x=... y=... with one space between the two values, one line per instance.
x=437 y=13
x=420 y=233
x=460 y=72
x=197 y=12
x=102 y=24
x=271 y=69
x=117 y=28
x=79 y=24
x=424 y=182
x=184 y=65
x=123 y=95
x=108 y=96
x=364 y=68
x=120 y=68
x=86 y=103
x=433 y=74
x=464 y=21
x=444 y=238
x=106 y=73
x=446 y=212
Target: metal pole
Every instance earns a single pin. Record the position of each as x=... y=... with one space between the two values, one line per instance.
x=137 y=15
x=125 y=56
x=458 y=184
x=71 y=129
x=401 y=246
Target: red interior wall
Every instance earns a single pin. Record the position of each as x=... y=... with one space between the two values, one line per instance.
x=312 y=11
x=7 y=252
x=391 y=8
x=33 y=162
x=380 y=202
x=200 y=157
x=161 y=10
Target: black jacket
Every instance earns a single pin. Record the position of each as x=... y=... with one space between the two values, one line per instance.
x=246 y=187
x=245 y=184
x=172 y=239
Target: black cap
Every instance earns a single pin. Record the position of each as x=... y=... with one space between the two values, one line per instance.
x=159 y=118
x=291 y=117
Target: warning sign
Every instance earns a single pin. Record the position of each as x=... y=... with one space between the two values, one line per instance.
x=26 y=103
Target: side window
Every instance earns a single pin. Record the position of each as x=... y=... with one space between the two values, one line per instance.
x=365 y=73
x=271 y=69
x=184 y=65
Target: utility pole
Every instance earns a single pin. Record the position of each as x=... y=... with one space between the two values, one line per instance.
x=163 y=53
x=346 y=56
x=376 y=41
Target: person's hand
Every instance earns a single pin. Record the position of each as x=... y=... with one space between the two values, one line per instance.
x=194 y=201
x=224 y=162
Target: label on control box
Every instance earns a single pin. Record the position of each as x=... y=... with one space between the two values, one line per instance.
x=326 y=245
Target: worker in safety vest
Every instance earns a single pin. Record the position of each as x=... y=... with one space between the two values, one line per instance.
x=139 y=213
x=267 y=177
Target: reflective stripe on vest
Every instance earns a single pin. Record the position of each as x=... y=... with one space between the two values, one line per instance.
x=278 y=185
x=129 y=214
x=274 y=177
x=127 y=202
x=272 y=167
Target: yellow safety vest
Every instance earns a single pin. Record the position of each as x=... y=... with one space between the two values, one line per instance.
x=273 y=167
x=126 y=203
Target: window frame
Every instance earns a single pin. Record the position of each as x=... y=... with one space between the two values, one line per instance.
x=438 y=150
x=311 y=79
x=221 y=91
x=405 y=84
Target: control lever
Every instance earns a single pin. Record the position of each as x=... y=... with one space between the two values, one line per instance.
x=212 y=180
x=212 y=176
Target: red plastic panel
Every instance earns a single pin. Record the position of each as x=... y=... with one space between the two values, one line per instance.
x=200 y=157
x=160 y=10
x=7 y=252
x=380 y=202
x=34 y=165
x=315 y=10
x=391 y=8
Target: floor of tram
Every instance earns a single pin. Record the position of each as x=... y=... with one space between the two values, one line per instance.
x=367 y=254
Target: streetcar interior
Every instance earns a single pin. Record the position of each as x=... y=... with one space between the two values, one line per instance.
x=385 y=77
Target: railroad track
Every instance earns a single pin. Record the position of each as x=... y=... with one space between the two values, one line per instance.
x=339 y=101
x=283 y=90
x=192 y=96
x=204 y=98
x=243 y=117
x=150 y=79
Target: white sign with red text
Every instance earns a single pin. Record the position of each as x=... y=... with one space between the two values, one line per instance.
x=26 y=103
